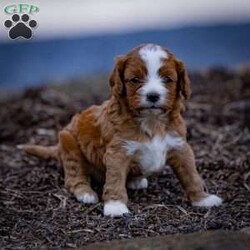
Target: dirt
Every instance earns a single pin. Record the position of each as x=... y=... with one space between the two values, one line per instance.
x=208 y=240
x=36 y=210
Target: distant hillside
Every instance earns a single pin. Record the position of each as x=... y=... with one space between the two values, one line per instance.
x=56 y=60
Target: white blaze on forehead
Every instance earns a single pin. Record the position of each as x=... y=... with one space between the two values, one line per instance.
x=153 y=55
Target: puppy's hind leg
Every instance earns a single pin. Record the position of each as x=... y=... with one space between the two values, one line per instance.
x=76 y=169
x=137 y=183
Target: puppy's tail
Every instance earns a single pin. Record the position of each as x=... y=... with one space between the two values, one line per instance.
x=50 y=152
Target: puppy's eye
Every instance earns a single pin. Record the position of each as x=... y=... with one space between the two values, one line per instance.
x=167 y=79
x=135 y=80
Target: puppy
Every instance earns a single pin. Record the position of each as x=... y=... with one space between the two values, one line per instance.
x=132 y=135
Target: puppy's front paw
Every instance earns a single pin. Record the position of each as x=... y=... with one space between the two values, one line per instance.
x=115 y=208
x=209 y=201
x=138 y=183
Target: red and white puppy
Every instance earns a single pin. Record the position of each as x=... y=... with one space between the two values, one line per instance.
x=132 y=135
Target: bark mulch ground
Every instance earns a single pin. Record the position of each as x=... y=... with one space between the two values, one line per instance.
x=36 y=210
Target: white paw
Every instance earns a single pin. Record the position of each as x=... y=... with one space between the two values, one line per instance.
x=138 y=183
x=87 y=198
x=210 y=201
x=115 y=208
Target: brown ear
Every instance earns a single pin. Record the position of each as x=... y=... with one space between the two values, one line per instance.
x=183 y=80
x=116 y=78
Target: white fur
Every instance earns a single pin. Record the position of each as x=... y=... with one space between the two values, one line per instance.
x=152 y=154
x=153 y=55
x=115 y=208
x=87 y=198
x=210 y=201
x=138 y=183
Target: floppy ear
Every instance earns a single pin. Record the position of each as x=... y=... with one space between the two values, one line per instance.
x=183 y=80
x=116 y=78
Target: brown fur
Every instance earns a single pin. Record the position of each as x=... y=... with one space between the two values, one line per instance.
x=92 y=144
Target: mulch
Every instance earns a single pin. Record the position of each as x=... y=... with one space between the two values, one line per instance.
x=36 y=211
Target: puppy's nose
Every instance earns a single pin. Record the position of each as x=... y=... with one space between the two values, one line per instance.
x=153 y=97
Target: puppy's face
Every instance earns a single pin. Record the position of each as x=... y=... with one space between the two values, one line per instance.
x=150 y=78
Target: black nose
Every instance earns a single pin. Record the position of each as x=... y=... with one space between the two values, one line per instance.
x=153 y=97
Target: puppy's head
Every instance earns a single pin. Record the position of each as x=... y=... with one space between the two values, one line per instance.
x=150 y=79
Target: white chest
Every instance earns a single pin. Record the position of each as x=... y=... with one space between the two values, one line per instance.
x=151 y=155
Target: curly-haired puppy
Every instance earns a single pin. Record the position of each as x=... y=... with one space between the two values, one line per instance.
x=132 y=135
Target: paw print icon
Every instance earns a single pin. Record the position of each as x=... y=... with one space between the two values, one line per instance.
x=20 y=26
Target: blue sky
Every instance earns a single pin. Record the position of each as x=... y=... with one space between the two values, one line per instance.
x=65 y=18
